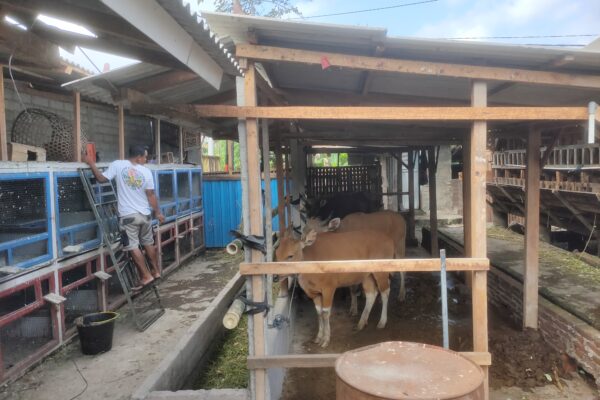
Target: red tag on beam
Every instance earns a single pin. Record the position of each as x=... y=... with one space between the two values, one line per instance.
x=325 y=62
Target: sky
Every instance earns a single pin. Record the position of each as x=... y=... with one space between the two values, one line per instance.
x=440 y=19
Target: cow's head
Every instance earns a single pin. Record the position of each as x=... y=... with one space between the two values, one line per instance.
x=290 y=246
x=319 y=225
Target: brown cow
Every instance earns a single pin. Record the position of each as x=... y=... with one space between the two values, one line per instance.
x=387 y=222
x=356 y=245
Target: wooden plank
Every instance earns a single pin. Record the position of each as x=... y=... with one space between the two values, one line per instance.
x=76 y=127
x=164 y=81
x=256 y=226
x=411 y=198
x=280 y=188
x=532 y=231
x=328 y=360
x=346 y=266
x=3 y=135
x=364 y=63
x=475 y=113
x=121 y=122
x=157 y=140
x=230 y=155
x=477 y=232
x=181 y=146
x=433 y=223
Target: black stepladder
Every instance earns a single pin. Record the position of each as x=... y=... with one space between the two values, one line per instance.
x=145 y=306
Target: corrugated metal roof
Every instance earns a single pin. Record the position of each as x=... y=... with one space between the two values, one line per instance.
x=98 y=87
x=234 y=29
x=199 y=30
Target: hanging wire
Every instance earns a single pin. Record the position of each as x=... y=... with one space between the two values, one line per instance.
x=589 y=238
x=15 y=86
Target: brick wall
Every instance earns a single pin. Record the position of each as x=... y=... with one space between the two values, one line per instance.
x=562 y=330
x=100 y=122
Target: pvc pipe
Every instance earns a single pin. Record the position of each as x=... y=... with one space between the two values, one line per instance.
x=234 y=314
x=234 y=247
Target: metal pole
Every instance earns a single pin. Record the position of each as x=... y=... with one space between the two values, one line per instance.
x=444 y=288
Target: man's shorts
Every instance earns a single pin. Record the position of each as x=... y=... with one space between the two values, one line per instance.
x=138 y=228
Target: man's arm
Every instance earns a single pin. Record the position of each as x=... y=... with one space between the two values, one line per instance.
x=154 y=204
x=97 y=173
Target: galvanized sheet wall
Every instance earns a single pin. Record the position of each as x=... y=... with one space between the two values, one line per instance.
x=223 y=209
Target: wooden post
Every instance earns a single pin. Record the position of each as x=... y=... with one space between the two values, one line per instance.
x=399 y=178
x=181 y=145
x=280 y=188
x=476 y=234
x=157 y=140
x=288 y=188
x=433 y=223
x=256 y=226
x=411 y=197
x=121 y=121
x=230 y=156
x=3 y=134
x=76 y=127
x=532 y=230
x=267 y=177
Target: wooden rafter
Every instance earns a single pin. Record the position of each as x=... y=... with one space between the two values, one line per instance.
x=398 y=113
x=277 y=54
x=164 y=81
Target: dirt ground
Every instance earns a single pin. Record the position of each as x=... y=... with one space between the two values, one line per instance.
x=524 y=367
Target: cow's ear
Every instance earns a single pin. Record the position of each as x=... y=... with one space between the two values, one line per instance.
x=310 y=238
x=334 y=224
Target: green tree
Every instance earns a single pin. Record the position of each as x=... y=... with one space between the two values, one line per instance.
x=274 y=9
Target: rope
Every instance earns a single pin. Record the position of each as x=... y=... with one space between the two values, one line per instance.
x=84 y=380
x=589 y=238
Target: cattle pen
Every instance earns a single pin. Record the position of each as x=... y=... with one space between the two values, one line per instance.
x=452 y=137
x=288 y=94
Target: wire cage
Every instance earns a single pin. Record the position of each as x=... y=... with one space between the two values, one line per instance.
x=80 y=287
x=184 y=191
x=75 y=220
x=165 y=187
x=184 y=239
x=196 y=189
x=168 y=247
x=25 y=223
x=198 y=241
x=28 y=326
x=37 y=127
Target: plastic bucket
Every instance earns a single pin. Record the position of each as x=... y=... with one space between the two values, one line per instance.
x=96 y=332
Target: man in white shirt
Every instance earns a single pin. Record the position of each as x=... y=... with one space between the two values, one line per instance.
x=136 y=200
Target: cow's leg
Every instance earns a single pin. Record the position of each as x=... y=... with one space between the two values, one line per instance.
x=402 y=294
x=318 y=306
x=370 y=295
x=327 y=304
x=383 y=284
x=354 y=291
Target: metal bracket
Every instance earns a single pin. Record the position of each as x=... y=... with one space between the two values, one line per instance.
x=253 y=307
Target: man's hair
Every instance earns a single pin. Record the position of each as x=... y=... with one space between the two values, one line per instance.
x=137 y=150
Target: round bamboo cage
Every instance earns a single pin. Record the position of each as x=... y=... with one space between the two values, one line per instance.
x=404 y=370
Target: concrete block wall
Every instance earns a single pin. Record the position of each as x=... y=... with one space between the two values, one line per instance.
x=100 y=122
x=562 y=330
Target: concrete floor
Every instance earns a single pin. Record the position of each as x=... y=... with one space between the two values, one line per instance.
x=116 y=374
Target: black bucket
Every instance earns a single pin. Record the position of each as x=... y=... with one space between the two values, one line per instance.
x=96 y=332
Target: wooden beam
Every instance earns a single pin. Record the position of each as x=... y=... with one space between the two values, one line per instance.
x=433 y=223
x=477 y=238
x=121 y=122
x=367 y=76
x=411 y=198
x=181 y=114
x=328 y=360
x=230 y=154
x=181 y=144
x=475 y=113
x=532 y=231
x=157 y=140
x=280 y=188
x=256 y=225
x=277 y=54
x=76 y=127
x=344 y=266
x=164 y=81
x=3 y=135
